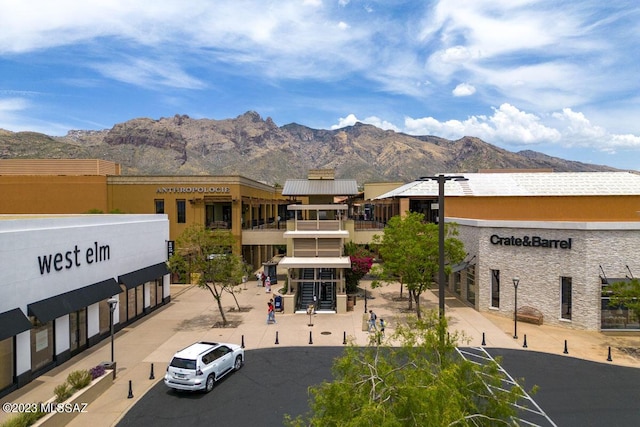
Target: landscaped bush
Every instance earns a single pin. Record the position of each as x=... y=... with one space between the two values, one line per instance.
x=79 y=379
x=63 y=392
x=97 y=372
x=23 y=419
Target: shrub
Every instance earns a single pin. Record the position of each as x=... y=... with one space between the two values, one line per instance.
x=97 y=372
x=63 y=392
x=79 y=379
x=24 y=419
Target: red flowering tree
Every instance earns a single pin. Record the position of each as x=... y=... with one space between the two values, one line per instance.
x=361 y=262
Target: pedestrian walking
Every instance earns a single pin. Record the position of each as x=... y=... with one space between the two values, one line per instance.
x=259 y=278
x=382 y=325
x=271 y=314
x=372 y=321
x=267 y=284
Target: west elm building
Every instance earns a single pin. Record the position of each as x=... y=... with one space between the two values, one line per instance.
x=58 y=273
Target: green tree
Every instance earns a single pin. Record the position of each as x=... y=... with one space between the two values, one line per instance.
x=422 y=382
x=626 y=294
x=208 y=254
x=409 y=250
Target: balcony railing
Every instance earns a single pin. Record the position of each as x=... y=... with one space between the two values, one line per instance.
x=318 y=225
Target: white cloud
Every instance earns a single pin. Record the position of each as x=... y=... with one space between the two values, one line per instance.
x=13 y=104
x=351 y=120
x=14 y=116
x=464 y=89
x=149 y=74
x=511 y=127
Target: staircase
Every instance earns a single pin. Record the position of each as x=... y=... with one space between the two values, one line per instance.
x=306 y=289
x=327 y=296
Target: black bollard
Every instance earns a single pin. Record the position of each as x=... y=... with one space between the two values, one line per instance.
x=151 y=376
x=483 y=341
x=525 y=341
x=566 y=350
x=609 y=359
x=310 y=338
x=130 y=396
x=344 y=337
x=242 y=345
x=277 y=342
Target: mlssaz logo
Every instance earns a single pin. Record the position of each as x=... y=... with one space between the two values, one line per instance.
x=531 y=241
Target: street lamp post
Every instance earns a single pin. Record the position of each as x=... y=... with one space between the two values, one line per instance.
x=516 y=282
x=113 y=302
x=365 y=298
x=441 y=179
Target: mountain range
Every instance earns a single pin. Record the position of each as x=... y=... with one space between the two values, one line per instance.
x=257 y=148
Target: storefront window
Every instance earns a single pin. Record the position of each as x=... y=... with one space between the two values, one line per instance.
x=471 y=284
x=495 y=288
x=122 y=306
x=159 y=206
x=566 y=297
x=457 y=279
x=616 y=316
x=6 y=363
x=139 y=300
x=42 y=345
x=78 y=330
x=104 y=313
x=131 y=303
x=181 y=208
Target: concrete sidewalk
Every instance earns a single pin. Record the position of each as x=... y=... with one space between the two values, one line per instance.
x=192 y=312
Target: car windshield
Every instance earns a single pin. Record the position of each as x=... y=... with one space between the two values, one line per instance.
x=177 y=362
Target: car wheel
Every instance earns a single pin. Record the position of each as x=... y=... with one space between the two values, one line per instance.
x=238 y=363
x=210 y=382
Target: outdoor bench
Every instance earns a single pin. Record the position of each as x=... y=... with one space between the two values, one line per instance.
x=530 y=314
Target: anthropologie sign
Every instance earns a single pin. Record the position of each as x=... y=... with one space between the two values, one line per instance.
x=193 y=190
x=531 y=241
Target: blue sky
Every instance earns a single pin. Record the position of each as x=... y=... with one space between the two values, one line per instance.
x=559 y=77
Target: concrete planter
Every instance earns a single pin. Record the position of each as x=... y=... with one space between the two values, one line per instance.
x=79 y=401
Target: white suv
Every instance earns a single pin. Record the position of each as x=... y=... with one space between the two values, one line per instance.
x=200 y=365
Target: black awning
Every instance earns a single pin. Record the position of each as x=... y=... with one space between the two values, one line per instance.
x=144 y=275
x=54 y=307
x=612 y=280
x=461 y=266
x=13 y=322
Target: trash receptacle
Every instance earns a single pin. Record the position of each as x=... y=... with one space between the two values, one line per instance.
x=277 y=303
x=365 y=321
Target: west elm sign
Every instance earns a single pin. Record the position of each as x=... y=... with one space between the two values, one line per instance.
x=74 y=258
x=531 y=241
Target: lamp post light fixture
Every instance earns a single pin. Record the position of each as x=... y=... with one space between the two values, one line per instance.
x=516 y=282
x=441 y=179
x=113 y=302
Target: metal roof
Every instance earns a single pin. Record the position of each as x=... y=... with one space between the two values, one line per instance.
x=527 y=184
x=320 y=187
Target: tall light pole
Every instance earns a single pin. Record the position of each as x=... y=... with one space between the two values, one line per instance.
x=365 y=298
x=441 y=277
x=516 y=282
x=113 y=302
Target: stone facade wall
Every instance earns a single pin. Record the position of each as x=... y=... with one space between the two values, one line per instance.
x=540 y=269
